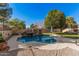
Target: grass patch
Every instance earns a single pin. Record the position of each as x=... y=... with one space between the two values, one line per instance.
x=69 y=35
x=66 y=35
x=61 y=33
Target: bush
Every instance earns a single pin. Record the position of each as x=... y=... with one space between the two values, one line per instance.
x=3 y=44
x=0 y=34
x=2 y=41
x=1 y=38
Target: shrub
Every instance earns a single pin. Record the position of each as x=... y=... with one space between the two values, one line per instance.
x=0 y=34
x=1 y=38
x=2 y=41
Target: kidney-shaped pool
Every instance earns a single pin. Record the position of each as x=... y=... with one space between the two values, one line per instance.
x=37 y=38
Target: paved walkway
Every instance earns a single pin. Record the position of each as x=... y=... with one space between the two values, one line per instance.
x=12 y=42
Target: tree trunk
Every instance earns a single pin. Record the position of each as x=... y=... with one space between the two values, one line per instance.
x=51 y=29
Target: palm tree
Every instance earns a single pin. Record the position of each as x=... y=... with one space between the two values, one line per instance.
x=70 y=21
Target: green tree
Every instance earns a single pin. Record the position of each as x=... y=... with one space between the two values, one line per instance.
x=70 y=22
x=55 y=19
x=16 y=23
x=34 y=28
x=31 y=26
x=47 y=23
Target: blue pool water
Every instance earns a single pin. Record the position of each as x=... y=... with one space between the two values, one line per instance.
x=37 y=38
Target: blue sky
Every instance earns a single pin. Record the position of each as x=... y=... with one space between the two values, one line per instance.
x=36 y=12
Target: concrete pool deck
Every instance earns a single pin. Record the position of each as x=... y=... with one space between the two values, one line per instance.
x=12 y=42
x=14 y=45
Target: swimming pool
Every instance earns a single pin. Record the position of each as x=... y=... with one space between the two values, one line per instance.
x=37 y=38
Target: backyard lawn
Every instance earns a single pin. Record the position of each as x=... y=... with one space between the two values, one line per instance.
x=74 y=36
x=66 y=35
